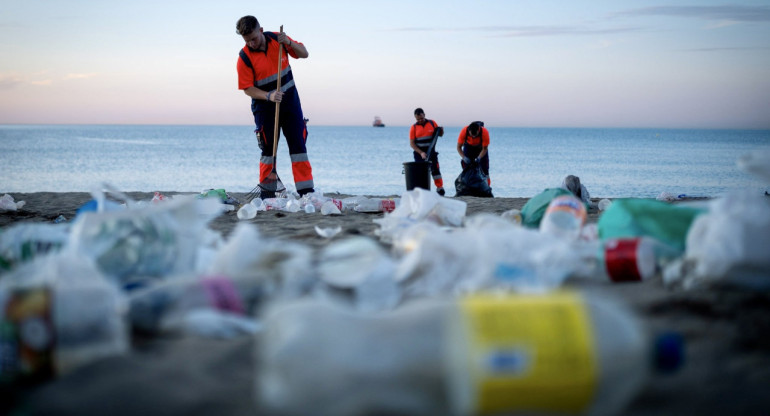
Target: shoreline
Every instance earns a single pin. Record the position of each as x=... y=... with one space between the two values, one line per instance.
x=299 y=226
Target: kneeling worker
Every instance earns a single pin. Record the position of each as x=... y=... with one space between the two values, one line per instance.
x=472 y=145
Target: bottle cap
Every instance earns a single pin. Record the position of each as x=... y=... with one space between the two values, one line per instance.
x=669 y=352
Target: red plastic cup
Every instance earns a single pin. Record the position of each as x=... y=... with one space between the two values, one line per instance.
x=629 y=259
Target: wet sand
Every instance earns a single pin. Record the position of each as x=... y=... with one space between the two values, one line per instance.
x=726 y=370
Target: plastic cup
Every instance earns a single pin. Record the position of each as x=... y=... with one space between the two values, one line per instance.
x=629 y=259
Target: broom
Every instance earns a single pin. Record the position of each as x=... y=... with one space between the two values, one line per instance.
x=272 y=182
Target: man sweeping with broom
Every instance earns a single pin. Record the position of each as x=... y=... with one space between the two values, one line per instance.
x=264 y=75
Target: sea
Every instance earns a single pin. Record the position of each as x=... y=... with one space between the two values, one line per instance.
x=364 y=160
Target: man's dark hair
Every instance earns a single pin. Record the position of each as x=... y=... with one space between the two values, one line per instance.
x=246 y=25
x=418 y=110
x=475 y=128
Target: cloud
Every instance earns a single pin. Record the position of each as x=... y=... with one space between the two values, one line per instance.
x=726 y=13
x=723 y=49
x=41 y=82
x=535 y=31
x=10 y=81
x=528 y=31
x=80 y=76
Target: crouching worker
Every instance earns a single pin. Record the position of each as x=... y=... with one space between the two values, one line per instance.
x=572 y=184
x=472 y=146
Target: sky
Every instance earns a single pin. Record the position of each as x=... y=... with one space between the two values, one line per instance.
x=540 y=63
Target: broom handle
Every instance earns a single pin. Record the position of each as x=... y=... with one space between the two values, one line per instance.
x=277 y=105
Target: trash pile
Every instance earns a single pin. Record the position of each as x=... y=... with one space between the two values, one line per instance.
x=446 y=313
x=316 y=202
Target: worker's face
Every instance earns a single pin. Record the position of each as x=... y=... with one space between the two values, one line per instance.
x=255 y=39
x=420 y=118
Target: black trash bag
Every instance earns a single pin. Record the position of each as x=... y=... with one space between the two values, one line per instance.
x=473 y=182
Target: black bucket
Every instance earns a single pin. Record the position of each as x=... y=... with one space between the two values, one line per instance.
x=417 y=175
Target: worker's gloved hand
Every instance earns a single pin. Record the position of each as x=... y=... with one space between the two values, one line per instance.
x=466 y=160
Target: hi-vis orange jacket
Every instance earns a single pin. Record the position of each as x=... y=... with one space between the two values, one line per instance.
x=422 y=135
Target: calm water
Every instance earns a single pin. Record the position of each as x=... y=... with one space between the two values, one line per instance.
x=368 y=161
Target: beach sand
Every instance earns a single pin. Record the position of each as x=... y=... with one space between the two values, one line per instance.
x=726 y=369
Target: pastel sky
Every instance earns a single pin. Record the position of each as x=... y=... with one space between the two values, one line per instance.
x=536 y=63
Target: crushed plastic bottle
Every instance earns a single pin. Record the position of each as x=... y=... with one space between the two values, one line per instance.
x=555 y=353
x=564 y=217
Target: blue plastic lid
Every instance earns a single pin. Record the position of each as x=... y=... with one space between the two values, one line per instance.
x=669 y=352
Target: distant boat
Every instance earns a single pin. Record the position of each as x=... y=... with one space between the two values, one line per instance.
x=378 y=122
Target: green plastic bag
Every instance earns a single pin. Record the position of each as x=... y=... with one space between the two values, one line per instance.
x=633 y=217
x=216 y=193
x=532 y=212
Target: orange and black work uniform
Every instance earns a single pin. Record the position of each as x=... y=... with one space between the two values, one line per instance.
x=472 y=147
x=259 y=69
x=422 y=135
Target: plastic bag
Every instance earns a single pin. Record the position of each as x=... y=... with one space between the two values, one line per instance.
x=137 y=245
x=666 y=223
x=728 y=245
x=8 y=204
x=417 y=205
x=472 y=182
x=20 y=243
x=278 y=267
x=532 y=212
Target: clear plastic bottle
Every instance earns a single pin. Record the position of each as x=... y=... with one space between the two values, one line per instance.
x=556 y=353
x=376 y=205
x=564 y=217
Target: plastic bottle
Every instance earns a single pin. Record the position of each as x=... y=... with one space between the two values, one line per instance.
x=561 y=352
x=309 y=208
x=376 y=205
x=564 y=217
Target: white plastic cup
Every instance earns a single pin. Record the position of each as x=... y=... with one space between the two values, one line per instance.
x=247 y=212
